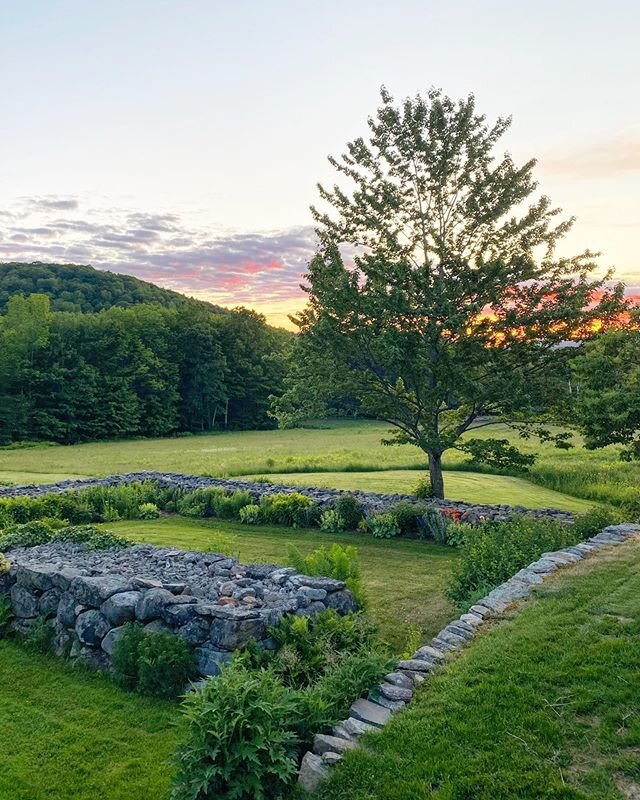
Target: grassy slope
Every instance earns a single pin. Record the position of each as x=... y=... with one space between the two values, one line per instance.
x=405 y=580
x=473 y=487
x=542 y=706
x=337 y=447
x=68 y=734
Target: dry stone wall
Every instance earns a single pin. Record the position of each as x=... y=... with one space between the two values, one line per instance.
x=372 y=502
x=213 y=602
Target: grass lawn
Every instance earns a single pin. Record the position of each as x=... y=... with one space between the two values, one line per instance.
x=544 y=705
x=69 y=734
x=473 y=487
x=405 y=580
x=337 y=446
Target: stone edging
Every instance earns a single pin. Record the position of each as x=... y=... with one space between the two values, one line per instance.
x=398 y=686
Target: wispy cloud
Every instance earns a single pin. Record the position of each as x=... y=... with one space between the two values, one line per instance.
x=229 y=268
x=609 y=156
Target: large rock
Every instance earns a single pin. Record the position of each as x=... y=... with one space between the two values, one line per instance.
x=120 y=608
x=313 y=770
x=210 y=660
x=196 y=631
x=232 y=634
x=24 y=602
x=68 y=610
x=92 y=627
x=49 y=601
x=93 y=591
x=342 y=602
x=112 y=638
x=153 y=603
x=371 y=713
x=36 y=576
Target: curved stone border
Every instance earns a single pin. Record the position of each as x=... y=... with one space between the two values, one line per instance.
x=372 y=502
x=398 y=686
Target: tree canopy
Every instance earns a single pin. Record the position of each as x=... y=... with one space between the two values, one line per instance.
x=437 y=298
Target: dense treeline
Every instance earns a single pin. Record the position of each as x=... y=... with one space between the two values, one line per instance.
x=71 y=287
x=141 y=371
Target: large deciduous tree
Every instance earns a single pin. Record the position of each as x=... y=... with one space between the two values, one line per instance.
x=456 y=304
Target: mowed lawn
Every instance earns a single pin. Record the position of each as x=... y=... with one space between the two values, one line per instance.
x=543 y=705
x=66 y=734
x=472 y=487
x=405 y=580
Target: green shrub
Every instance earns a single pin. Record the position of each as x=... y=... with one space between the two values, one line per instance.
x=6 y=616
x=332 y=522
x=159 y=664
x=409 y=516
x=239 y=743
x=383 y=526
x=434 y=525
x=250 y=514
x=350 y=510
x=592 y=522
x=337 y=562
x=497 y=550
x=458 y=532
x=228 y=505
x=148 y=511
x=424 y=489
x=29 y=534
x=283 y=508
x=213 y=502
x=165 y=664
x=5 y=564
x=39 y=637
x=93 y=538
x=307 y=516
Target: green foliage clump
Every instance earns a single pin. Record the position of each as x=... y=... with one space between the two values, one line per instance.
x=458 y=532
x=592 y=522
x=148 y=511
x=5 y=564
x=239 y=742
x=337 y=562
x=424 y=489
x=6 y=616
x=285 y=508
x=497 y=550
x=250 y=514
x=29 y=534
x=332 y=521
x=434 y=525
x=158 y=664
x=409 y=517
x=383 y=526
x=93 y=538
x=213 y=502
x=350 y=510
x=39 y=637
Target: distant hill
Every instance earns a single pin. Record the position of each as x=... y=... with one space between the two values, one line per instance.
x=72 y=287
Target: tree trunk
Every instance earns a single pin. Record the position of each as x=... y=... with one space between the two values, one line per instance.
x=435 y=474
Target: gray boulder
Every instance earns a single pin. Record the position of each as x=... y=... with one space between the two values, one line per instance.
x=93 y=591
x=49 y=601
x=24 y=602
x=120 y=608
x=210 y=660
x=92 y=627
x=112 y=638
x=68 y=610
x=153 y=603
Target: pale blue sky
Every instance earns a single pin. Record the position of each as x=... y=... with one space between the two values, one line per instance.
x=221 y=114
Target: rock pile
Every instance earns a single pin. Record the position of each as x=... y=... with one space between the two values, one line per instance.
x=213 y=602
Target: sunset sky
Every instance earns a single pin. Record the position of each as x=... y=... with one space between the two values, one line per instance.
x=181 y=140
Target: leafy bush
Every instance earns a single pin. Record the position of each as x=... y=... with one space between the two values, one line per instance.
x=228 y=505
x=159 y=664
x=350 y=510
x=497 y=550
x=6 y=615
x=239 y=744
x=434 y=525
x=458 y=532
x=424 y=489
x=93 y=538
x=383 y=526
x=337 y=562
x=332 y=522
x=39 y=637
x=250 y=514
x=592 y=522
x=409 y=516
x=281 y=509
x=414 y=638
x=29 y=534
x=5 y=564
x=213 y=502
x=148 y=511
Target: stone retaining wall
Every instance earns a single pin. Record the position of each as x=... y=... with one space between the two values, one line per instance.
x=371 y=501
x=211 y=601
x=398 y=687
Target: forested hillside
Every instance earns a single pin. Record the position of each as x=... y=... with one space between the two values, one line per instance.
x=140 y=371
x=71 y=287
